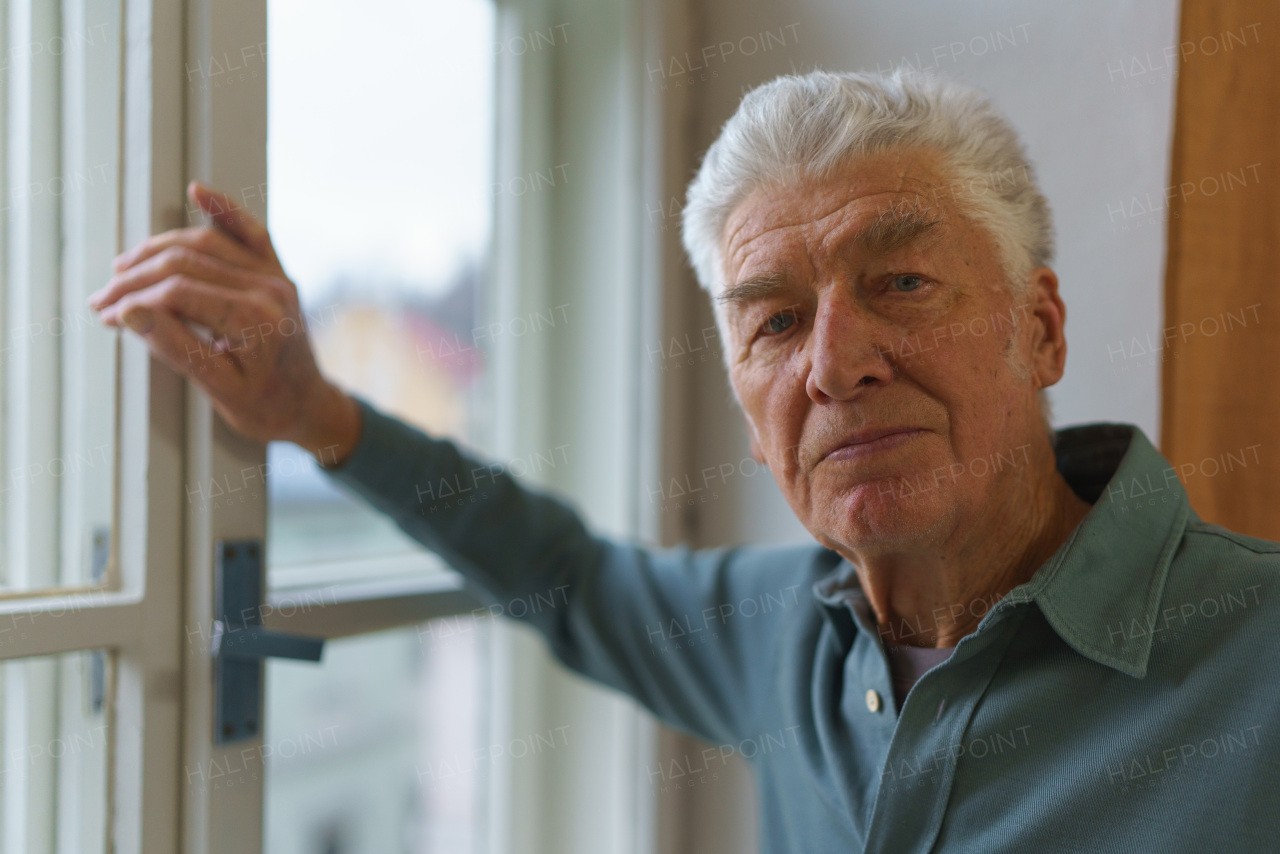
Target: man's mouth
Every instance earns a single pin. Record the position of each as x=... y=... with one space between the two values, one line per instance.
x=867 y=443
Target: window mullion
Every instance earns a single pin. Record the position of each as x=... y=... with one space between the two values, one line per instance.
x=146 y=723
x=226 y=127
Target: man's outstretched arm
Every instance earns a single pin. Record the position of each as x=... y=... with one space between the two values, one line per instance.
x=687 y=633
x=691 y=635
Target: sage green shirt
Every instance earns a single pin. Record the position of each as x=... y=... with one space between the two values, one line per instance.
x=1124 y=699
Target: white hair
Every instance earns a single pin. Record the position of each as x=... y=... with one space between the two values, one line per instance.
x=807 y=127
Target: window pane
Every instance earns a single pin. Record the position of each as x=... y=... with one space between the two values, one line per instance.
x=382 y=747
x=379 y=164
x=53 y=737
x=59 y=173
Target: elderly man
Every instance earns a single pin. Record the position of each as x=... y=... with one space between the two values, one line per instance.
x=1005 y=638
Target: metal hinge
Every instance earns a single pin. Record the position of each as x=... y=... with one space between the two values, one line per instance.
x=99 y=555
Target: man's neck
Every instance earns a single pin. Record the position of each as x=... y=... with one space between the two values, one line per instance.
x=934 y=597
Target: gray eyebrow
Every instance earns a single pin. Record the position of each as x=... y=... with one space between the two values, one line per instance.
x=894 y=228
x=755 y=288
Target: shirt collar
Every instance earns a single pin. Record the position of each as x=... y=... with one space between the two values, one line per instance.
x=1101 y=590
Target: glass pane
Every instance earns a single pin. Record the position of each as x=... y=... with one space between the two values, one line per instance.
x=382 y=747
x=59 y=174
x=53 y=739
x=380 y=197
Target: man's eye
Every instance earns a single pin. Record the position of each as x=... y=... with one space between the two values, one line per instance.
x=904 y=284
x=779 y=323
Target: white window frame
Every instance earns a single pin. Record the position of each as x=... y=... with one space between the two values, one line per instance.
x=157 y=603
x=526 y=815
x=134 y=613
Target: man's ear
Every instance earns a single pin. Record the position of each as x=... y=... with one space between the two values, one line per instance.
x=1049 y=346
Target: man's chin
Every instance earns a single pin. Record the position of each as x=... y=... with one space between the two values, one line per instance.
x=879 y=513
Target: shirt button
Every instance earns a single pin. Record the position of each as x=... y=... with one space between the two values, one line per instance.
x=873 y=700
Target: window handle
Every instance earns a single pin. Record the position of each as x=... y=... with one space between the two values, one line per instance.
x=257 y=642
x=239 y=643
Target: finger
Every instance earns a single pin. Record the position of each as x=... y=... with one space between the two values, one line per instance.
x=204 y=239
x=174 y=261
x=236 y=315
x=183 y=351
x=238 y=222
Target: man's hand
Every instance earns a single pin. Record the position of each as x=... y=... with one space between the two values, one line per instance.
x=249 y=349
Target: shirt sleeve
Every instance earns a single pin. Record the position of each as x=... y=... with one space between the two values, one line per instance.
x=687 y=633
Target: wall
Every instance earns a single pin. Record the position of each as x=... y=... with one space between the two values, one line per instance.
x=1088 y=84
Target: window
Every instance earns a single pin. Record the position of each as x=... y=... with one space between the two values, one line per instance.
x=54 y=742
x=111 y=521
x=389 y=254
x=60 y=203
x=59 y=193
x=380 y=211
x=375 y=750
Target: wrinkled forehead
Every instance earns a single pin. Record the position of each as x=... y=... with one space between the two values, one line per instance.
x=881 y=197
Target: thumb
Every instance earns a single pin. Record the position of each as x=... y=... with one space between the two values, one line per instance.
x=233 y=219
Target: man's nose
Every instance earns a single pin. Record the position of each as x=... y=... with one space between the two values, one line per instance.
x=847 y=355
